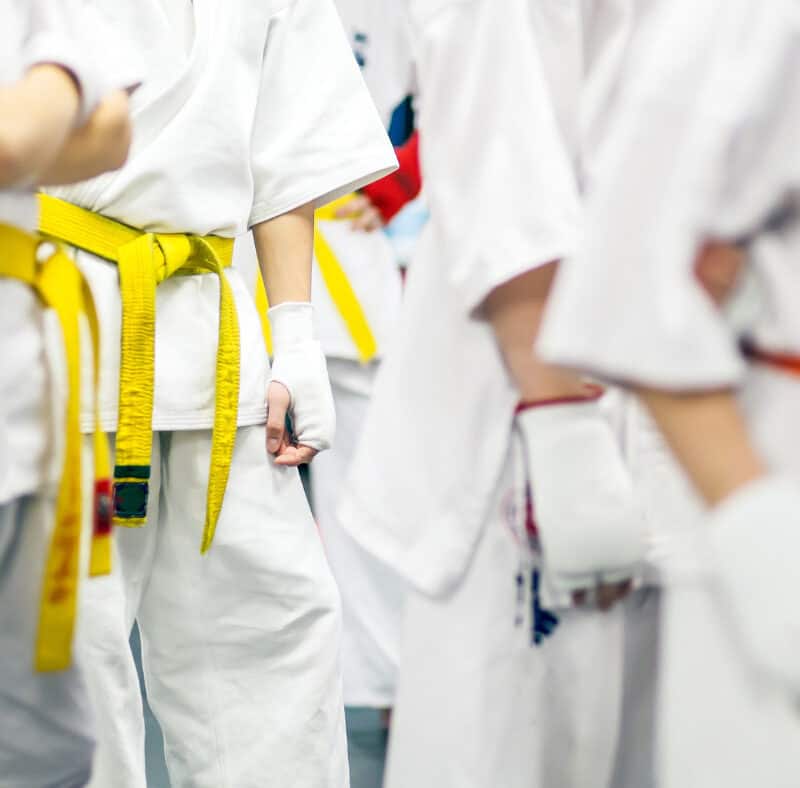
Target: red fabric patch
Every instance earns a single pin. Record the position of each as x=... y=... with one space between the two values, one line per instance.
x=390 y=194
x=530 y=521
x=782 y=361
x=102 y=507
x=593 y=392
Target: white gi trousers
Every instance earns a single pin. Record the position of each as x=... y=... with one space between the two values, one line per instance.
x=240 y=647
x=479 y=705
x=46 y=725
x=719 y=722
x=372 y=593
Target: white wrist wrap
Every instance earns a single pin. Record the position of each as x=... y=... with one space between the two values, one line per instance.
x=755 y=544
x=299 y=364
x=591 y=528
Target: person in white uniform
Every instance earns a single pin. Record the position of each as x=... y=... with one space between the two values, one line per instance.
x=252 y=114
x=699 y=179
x=60 y=117
x=372 y=594
x=499 y=681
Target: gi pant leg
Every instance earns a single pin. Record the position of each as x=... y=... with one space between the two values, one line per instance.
x=478 y=704
x=240 y=647
x=110 y=606
x=635 y=758
x=46 y=724
x=372 y=594
x=717 y=722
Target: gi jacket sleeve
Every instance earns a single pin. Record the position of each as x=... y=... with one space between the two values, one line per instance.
x=687 y=160
x=499 y=171
x=317 y=134
x=70 y=33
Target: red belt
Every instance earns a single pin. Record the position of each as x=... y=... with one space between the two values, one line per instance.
x=782 y=361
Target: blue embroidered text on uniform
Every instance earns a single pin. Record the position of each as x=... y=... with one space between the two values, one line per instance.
x=360 y=42
x=543 y=622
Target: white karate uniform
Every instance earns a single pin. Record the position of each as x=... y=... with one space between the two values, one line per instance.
x=372 y=594
x=704 y=146
x=46 y=725
x=248 y=110
x=430 y=487
x=414 y=501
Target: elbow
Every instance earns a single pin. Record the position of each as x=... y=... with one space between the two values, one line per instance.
x=13 y=161
x=113 y=131
x=122 y=136
x=117 y=131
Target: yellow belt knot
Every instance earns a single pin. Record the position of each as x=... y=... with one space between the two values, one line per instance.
x=145 y=260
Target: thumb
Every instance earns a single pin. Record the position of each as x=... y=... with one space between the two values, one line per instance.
x=277 y=405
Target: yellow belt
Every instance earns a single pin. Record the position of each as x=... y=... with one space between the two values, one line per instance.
x=144 y=261
x=337 y=284
x=60 y=286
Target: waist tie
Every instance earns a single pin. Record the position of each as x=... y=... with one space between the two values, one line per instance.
x=782 y=361
x=59 y=284
x=144 y=261
x=338 y=285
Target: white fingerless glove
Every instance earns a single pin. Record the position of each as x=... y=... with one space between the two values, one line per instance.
x=754 y=537
x=299 y=364
x=589 y=523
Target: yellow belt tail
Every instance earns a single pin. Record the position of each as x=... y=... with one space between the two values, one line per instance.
x=59 y=284
x=144 y=261
x=339 y=287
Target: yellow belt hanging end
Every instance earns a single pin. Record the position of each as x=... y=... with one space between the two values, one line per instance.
x=61 y=288
x=338 y=286
x=144 y=261
x=137 y=371
x=345 y=299
x=100 y=558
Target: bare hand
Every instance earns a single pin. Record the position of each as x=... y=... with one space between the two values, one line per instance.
x=604 y=597
x=718 y=267
x=364 y=216
x=279 y=441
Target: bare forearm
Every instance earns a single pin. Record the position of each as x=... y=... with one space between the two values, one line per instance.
x=515 y=312
x=285 y=247
x=36 y=117
x=100 y=145
x=708 y=435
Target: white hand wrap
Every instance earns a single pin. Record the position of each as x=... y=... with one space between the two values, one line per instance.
x=299 y=364
x=755 y=546
x=591 y=528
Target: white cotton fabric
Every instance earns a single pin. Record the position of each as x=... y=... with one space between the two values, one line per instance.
x=755 y=570
x=373 y=596
x=500 y=182
x=240 y=647
x=486 y=706
x=703 y=147
x=46 y=722
x=47 y=734
x=588 y=517
x=708 y=694
x=31 y=33
x=380 y=39
x=248 y=110
x=369 y=262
